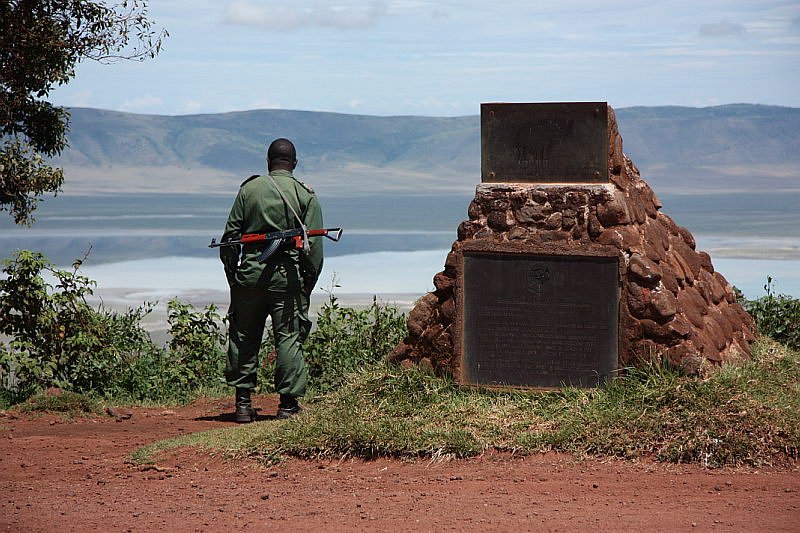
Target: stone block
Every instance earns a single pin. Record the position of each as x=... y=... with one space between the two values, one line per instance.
x=649 y=199
x=705 y=262
x=715 y=332
x=530 y=214
x=668 y=223
x=553 y=236
x=399 y=353
x=467 y=229
x=654 y=330
x=517 y=233
x=669 y=280
x=664 y=304
x=705 y=344
x=657 y=236
x=553 y=221
x=679 y=326
x=686 y=305
x=448 y=310
x=688 y=255
x=623 y=237
x=614 y=212
x=498 y=221
x=687 y=237
x=594 y=228
x=539 y=196
x=724 y=323
x=443 y=282
x=474 y=210
x=483 y=233
x=636 y=207
x=644 y=269
x=422 y=314
x=451 y=262
x=638 y=300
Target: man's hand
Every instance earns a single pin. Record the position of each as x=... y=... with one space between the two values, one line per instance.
x=229 y=255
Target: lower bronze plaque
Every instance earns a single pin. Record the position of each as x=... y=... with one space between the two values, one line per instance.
x=539 y=320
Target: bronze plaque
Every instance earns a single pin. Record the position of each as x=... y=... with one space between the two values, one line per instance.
x=539 y=321
x=544 y=143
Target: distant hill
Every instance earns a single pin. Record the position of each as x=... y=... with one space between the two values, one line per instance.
x=735 y=148
x=726 y=148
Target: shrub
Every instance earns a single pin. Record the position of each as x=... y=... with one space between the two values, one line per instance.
x=344 y=340
x=196 y=348
x=56 y=338
x=777 y=315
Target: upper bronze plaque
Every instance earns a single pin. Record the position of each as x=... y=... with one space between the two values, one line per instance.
x=544 y=143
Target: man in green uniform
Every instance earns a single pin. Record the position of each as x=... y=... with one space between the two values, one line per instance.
x=279 y=288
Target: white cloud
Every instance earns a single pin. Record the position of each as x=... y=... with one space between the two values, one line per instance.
x=284 y=18
x=142 y=103
x=79 y=99
x=265 y=103
x=193 y=106
x=723 y=29
x=691 y=64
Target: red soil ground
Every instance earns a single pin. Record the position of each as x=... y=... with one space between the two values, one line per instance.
x=73 y=475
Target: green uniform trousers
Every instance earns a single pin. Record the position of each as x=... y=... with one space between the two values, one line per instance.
x=246 y=319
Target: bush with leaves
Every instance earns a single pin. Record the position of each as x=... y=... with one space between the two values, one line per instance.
x=777 y=315
x=53 y=338
x=347 y=339
x=56 y=338
x=196 y=350
x=344 y=340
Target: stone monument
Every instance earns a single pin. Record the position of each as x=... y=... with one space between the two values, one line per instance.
x=567 y=270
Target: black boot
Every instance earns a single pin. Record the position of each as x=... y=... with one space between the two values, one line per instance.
x=244 y=407
x=288 y=407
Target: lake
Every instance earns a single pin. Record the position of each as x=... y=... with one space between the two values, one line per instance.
x=375 y=273
x=153 y=246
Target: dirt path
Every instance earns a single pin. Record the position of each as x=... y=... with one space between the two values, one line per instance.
x=58 y=475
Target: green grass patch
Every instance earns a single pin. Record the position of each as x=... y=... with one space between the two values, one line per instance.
x=740 y=415
x=67 y=403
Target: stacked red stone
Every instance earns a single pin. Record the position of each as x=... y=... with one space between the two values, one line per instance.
x=673 y=305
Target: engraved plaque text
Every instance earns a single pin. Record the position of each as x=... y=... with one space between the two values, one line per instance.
x=539 y=320
x=544 y=143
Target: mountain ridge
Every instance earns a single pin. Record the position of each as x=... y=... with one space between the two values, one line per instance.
x=732 y=147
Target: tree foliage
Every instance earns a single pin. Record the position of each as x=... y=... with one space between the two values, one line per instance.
x=41 y=42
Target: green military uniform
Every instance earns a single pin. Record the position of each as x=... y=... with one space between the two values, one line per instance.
x=280 y=287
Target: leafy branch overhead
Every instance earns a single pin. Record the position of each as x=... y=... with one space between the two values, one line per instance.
x=41 y=42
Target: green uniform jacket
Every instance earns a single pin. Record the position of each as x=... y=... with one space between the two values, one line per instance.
x=259 y=208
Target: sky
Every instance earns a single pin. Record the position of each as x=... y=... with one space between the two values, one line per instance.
x=445 y=57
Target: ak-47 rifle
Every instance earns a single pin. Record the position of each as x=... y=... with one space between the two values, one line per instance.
x=277 y=239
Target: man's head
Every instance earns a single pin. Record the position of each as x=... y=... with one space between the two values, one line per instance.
x=281 y=155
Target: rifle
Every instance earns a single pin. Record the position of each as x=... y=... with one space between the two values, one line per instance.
x=277 y=239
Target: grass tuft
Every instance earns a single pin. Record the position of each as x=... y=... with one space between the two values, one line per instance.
x=740 y=415
x=65 y=402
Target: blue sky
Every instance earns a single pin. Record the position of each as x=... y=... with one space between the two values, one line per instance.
x=443 y=58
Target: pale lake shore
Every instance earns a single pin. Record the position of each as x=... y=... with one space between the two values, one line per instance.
x=397 y=279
